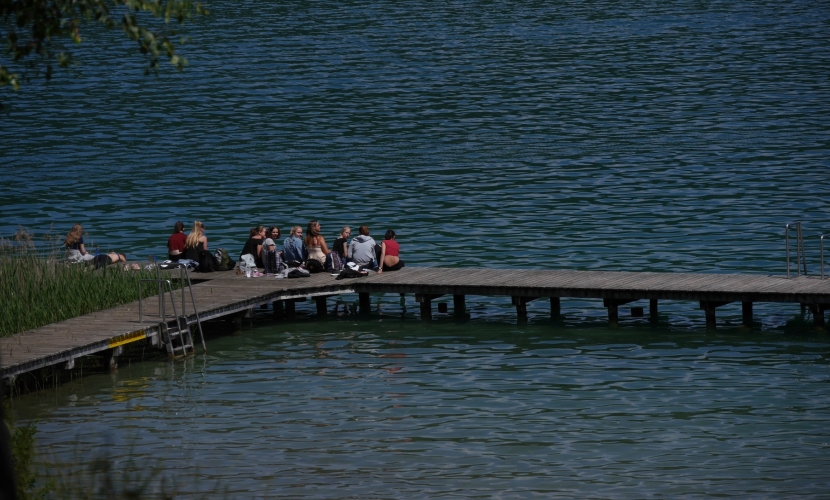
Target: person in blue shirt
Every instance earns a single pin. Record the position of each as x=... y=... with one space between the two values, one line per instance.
x=294 y=252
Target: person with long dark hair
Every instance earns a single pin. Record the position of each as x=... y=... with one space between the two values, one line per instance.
x=254 y=244
x=390 y=253
x=176 y=242
x=315 y=244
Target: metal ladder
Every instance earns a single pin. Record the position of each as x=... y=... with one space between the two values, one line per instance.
x=180 y=329
x=801 y=260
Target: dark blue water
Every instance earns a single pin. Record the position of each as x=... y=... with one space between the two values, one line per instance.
x=663 y=136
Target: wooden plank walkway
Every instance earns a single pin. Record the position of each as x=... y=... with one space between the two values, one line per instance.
x=226 y=293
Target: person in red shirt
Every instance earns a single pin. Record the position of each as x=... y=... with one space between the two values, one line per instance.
x=389 y=253
x=175 y=244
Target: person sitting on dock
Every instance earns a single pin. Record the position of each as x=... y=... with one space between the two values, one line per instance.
x=389 y=254
x=341 y=242
x=274 y=233
x=294 y=253
x=176 y=242
x=362 y=249
x=254 y=244
x=196 y=242
x=74 y=241
x=315 y=245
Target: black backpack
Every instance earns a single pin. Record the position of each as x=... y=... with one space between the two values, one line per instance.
x=207 y=264
x=314 y=266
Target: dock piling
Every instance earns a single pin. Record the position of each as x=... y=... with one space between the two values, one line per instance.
x=521 y=305
x=613 y=306
x=321 y=306
x=290 y=309
x=652 y=310
x=746 y=313
x=459 y=306
x=555 y=307
x=709 y=307
x=425 y=300
x=365 y=303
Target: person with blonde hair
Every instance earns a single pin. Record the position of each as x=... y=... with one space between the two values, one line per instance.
x=294 y=253
x=74 y=242
x=196 y=242
x=340 y=243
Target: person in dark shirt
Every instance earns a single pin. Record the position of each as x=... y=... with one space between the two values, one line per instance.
x=340 y=243
x=254 y=244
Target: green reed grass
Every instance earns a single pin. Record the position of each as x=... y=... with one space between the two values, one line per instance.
x=38 y=288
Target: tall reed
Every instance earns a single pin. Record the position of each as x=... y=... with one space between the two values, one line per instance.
x=37 y=288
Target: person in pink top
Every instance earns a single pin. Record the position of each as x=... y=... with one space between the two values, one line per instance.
x=390 y=253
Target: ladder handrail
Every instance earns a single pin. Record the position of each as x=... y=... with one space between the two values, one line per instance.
x=160 y=283
x=195 y=309
x=801 y=259
x=184 y=274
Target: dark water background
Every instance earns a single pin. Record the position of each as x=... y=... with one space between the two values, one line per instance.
x=663 y=136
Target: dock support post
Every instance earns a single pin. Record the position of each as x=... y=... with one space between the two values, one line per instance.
x=746 y=312
x=555 y=307
x=426 y=309
x=652 y=310
x=290 y=309
x=116 y=351
x=425 y=300
x=321 y=306
x=613 y=306
x=459 y=307
x=709 y=307
x=364 y=303
x=818 y=314
x=521 y=305
x=278 y=308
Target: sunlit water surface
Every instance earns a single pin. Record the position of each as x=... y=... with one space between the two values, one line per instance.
x=661 y=136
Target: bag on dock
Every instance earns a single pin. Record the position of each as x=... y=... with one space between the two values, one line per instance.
x=223 y=260
x=351 y=273
x=207 y=264
x=333 y=262
x=314 y=266
x=297 y=273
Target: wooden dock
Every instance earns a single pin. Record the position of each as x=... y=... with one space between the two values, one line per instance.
x=227 y=294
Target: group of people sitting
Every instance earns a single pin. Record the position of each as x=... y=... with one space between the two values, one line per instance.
x=308 y=251
x=312 y=252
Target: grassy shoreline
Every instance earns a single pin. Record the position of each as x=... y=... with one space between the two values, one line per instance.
x=39 y=288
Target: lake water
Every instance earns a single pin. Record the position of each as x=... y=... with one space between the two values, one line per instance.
x=660 y=136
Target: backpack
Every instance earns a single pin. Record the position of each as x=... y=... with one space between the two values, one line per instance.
x=207 y=264
x=272 y=261
x=314 y=266
x=223 y=260
x=333 y=262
